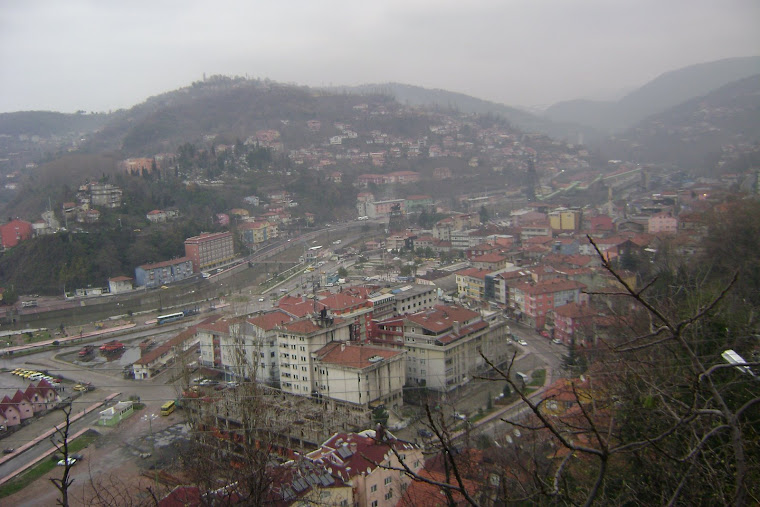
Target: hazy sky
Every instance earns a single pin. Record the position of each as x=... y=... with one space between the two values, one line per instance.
x=100 y=55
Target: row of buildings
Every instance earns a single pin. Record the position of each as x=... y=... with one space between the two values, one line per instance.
x=202 y=252
x=35 y=400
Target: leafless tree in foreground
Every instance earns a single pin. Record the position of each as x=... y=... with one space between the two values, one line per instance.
x=659 y=418
x=60 y=441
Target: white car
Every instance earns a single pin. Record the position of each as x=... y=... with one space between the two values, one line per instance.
x=522 y=342
x=459 y=416
x=261 y=300
x=71 y=462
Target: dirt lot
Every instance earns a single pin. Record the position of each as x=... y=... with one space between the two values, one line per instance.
x=113 y=471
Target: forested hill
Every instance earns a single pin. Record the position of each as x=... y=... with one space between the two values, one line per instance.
x=48 y=123
x=230 y=108
x=700 y=132
x=446 y=100
x=660 y=94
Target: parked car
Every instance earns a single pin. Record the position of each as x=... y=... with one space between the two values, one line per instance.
x=522 y=342
x=557 y=341
x=71 y=462
x=459 y=416
x=425 y=433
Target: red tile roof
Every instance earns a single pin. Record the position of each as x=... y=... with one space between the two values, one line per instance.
x=354 y=356
x=442 y=317
x=550 y=286
x=345 y=462
x=301 y=326
x=474 y=273
x=270 y=320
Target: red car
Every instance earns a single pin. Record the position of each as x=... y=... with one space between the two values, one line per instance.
x=545 y=334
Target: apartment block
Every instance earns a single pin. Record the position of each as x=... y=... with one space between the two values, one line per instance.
x=210 y=250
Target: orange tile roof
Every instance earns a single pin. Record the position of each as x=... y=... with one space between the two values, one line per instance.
x=268 y=321
x=354 y=356
x=442 y=317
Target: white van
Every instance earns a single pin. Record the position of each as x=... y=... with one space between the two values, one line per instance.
x=521 y=376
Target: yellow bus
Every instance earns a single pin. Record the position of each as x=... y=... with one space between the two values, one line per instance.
x=168 y=407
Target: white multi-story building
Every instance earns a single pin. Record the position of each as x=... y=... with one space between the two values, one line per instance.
x=296 y=341
x=261 y=333
x=363 y=375
x=444 y=344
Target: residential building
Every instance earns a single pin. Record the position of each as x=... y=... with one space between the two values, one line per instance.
x=302 y=482
x=413 y=298
x=15 y=231
x=223 y=348
x=105 y=194
x=366 y=462
x=663 y=222
x=42 y=396
x=296 y=342
x=536 y=300
x=9 y=412
x=471 y=283
x=418 y=203
x=156 y=216
x=444 y=344
x=572 y=322
x=119 y=284
x=565 y=220
x=256 y=233
x=353 y=309
x=168 y=352
x=383 y=208
x=161 y=273
x=360 y=374
x=210 y=250
x=262 y=332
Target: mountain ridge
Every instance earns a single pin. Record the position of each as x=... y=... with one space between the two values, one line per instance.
x=665 y=91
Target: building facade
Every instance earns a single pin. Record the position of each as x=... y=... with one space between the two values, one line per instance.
x=210 y=250
x=161 y=273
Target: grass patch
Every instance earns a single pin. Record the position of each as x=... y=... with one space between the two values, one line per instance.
x=45 y=466
x=539 y=377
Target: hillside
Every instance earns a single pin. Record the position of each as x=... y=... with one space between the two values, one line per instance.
x=231 y=108
x=705 y=133
x=664 y=92
x=48 y=123
x=446 y=100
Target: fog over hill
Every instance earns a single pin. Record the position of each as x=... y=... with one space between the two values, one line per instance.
x=666 y=91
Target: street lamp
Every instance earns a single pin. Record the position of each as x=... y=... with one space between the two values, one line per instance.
x=150 y=418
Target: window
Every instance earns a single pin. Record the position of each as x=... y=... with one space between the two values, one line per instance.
x=373 y=488
x=389 y=495
x=374 y=503
x=388 y=480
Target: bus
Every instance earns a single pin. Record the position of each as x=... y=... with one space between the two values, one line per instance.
x=168 y=407
x=169 y=317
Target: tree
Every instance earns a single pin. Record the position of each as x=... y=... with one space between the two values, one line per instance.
x=483 y=215
x=60 y=440
x=342 y=272
x=659 y=418
x=380 y=415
